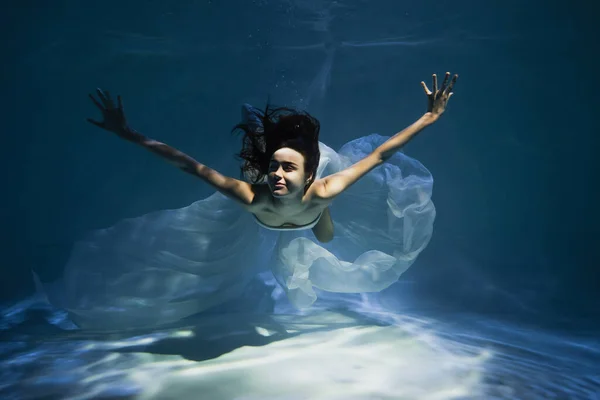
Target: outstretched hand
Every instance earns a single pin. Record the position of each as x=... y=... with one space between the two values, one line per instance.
x=438 y=99
x=113 y=117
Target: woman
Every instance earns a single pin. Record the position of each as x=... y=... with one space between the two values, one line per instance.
x=173 y=263
x=286 y=150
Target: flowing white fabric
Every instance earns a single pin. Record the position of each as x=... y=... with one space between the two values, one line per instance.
x=381 y=223
x=169 y=264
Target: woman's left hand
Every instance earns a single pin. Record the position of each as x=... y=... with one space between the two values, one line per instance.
x=438 y=99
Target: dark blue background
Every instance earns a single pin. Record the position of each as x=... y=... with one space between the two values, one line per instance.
x=514 y=157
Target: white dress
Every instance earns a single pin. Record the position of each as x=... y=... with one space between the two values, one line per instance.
x=161 y=267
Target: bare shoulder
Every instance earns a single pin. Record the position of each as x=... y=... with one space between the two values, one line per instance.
x=328 y=188
x=260 y=198
x=317 y=193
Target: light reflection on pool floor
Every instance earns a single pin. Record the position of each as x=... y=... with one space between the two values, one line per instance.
x=321 y=355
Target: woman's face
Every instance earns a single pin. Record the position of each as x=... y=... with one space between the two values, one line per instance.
x=286 y=173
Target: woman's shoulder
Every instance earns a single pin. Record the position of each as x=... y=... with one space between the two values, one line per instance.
x=262 y=197
x=316 y=193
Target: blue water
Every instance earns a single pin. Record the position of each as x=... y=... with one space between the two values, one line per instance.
x=502 y=304
x=364 y=350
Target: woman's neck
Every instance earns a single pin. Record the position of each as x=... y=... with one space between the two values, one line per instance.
x=288 y=203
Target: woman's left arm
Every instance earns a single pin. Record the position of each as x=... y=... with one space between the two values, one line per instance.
x=331 y=186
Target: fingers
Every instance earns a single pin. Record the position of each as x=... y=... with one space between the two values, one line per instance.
x=98 y=124
x=120 y=102
x=105 y=98
x=102 y=97
x=109 y=99
x=444 y=85
x=451 y=86
x=435 y=86
x=96 y=103
x=425 y=88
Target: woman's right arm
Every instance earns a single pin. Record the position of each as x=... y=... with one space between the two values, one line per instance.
x=114 y=121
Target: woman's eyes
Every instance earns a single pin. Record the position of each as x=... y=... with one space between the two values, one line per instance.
x=287 y=168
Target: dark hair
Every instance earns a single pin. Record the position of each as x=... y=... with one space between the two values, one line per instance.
x=276 y=128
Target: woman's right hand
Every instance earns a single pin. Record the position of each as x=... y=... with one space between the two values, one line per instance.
x=113 y=117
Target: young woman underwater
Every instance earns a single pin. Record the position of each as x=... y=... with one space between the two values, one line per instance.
x=169 y=264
